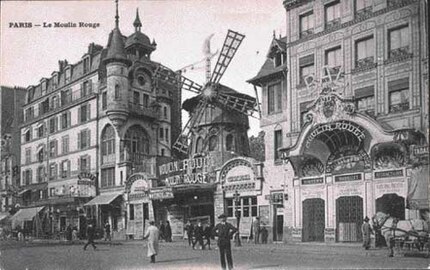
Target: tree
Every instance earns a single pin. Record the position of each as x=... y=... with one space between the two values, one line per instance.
x=257 y=147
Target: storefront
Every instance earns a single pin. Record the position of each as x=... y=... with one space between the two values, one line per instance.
x=346 y=167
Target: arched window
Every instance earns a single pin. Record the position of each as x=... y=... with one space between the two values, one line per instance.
x=108 y=141
x=229 y=143
x=117 y=89
x=213 y=143
x=199 y=145
x=136 y=140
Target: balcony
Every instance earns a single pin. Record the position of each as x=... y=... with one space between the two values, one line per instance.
x=364 y=64
x=142 y=110
x=306 y=33
x=332 y=24
x=399 y=52
x=400 y=107
x=364 y=12
x=140 y=162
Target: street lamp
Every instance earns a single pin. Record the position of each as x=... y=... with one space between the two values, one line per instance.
x=237 y=214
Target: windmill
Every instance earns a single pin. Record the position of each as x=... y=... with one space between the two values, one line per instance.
x=212 y=93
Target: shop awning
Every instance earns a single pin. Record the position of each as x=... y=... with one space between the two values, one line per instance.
x=104 y=199
x=22 y=192
x=26 y=214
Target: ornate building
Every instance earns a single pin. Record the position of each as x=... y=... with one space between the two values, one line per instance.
x=345 y=113
x=88 y=128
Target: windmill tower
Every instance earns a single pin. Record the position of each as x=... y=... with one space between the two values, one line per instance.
x=218 y=120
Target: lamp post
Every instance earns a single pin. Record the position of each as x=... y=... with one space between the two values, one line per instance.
x=237 y=214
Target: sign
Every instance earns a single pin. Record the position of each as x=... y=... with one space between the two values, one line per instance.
x=87 y=176
x=187 y=171
x=340 y=125
x=393 y=187
x=387 y=174
x=420 y=150
x=240 y=174
x=277 y=198
x=350 y=177
x=312 y=181
x=137 y=183
x=161 y=194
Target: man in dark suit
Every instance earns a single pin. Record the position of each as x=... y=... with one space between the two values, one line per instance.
x=224 y=231
x=198 y=234
x=91 y=234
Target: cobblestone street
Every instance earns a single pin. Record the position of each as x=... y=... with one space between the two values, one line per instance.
x=177 y=255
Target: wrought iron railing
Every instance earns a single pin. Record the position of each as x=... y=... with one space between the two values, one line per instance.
x=306 y=32
x=399 y=52
x=364 y=12
x=400 y=107
x=332 y=24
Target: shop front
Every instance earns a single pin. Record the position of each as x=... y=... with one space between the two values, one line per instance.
x=346 y=167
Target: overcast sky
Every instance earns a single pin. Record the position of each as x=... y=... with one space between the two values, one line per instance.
x=179 y=28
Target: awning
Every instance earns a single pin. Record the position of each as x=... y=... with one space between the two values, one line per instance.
x=22 y=192
x=3 y=216
x=26 y=214
x=104 y=199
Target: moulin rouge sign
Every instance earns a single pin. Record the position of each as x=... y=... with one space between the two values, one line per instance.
x=187 y=171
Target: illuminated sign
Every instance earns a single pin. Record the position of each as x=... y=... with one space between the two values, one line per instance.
x=188 y=171
x=341 y=125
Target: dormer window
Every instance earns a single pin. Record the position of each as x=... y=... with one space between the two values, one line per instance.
x=30 y=94
x=43 y=86
x=54 y=81
x=86 y=64
x=279 y=58
x=68 y=74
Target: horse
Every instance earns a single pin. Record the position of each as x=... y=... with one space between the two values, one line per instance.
x=392 y=228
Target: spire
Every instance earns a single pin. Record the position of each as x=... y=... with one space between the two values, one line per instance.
x=116 y=16
x=137 y=24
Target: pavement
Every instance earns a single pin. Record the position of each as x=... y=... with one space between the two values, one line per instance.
x=45 y=254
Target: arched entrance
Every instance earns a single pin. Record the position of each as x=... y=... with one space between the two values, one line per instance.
x=391 y=204
x=349 y=215
x=313 y=220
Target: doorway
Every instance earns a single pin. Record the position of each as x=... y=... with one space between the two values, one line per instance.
x=349 y=216
x=313 y=220
x=391 y=204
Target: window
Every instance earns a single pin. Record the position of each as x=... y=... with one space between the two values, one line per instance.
x=65 y=144
x=108 y=177
x=247 y=206
x=136 y=140
x=27 y=177
x=117 y=91
x=306 y=24
x=163 y=151
x=27 y=135
x=41 y=174
x=365 y=100
x=306 y=68
x=136 y=97
x=104 y=100
x=213 y=143
x=53 y=124
x=199 y=145
x=53 y=171
x=53 y=148
x=54 y=103
x=68 y=74
x=84 y=164
x=65 y=120
x=27 y=155
x=398 y=95
x=274 y=98
x=86 y=65
x=84 y=139
x=51 y=192
x=29 y=114
x=41 y=154
x=66 y=97
x=161 y=133
x=145 y=100
x=332 y=14
x=41 y=131
x=399 y=40
x=84 y=113
x=166 y=132
x=333 y=58
x=277 y=143
x=54 y=81
x=229 y=204
x=363 y=7
x=131 y=211
x=165 y=112
x=108 y=144
x=364 y=52
x=229 y=142
x=65 y=168
x=279 y=58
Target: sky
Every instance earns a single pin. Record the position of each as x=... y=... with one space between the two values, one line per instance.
x=179 y=28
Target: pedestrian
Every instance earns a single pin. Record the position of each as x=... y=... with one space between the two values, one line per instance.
x=207 y=235
x=69 y=233
x=91 y=233
x=153 y=235
x=256 y=229
x=264 y=234
x=366 y=230
x=189 y=230
x=168 y=232
x=224 y=231
x=75 y=233
x=198 y=235
x=108 y=235
x=162 y=230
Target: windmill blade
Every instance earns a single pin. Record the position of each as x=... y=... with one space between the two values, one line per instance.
x=242 y=105
x=172 y=78
x=231 y=44
x=181 y=143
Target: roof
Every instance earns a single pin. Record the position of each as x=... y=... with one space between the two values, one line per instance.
x=139 y=38
x=116 y=48
x=26 y=214
x=266 y=71
x=104 y=199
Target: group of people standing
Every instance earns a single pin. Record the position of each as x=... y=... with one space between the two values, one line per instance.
x=199 y=234
x=259 y=231
x=165 y=231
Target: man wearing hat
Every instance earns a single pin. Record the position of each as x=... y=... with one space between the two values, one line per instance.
x=366 y=230
x=224 y=231
x=256 y=230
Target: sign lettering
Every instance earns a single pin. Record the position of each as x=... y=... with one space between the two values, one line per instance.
x=345 y=178
x=386 y=174
x=341 y=125
x=160 y=194
x=311 y=181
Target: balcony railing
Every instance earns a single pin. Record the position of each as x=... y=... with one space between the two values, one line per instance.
x=142 y=110
x=307 y=32
x=365 y=62
x=399 y=52
x=332 y=24
x=400 y=107
x=364 y=12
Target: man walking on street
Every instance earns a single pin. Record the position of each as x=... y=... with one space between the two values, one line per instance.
x=256 y=228
x=198 y=234
x=366 y=230
x=91 y=233
x=189 y=229
x=224 y=231
x=153 y=235
x=108 y=232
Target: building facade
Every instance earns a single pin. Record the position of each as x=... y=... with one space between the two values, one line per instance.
x=11 y=101
x=345 y=113
x=88 y=128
